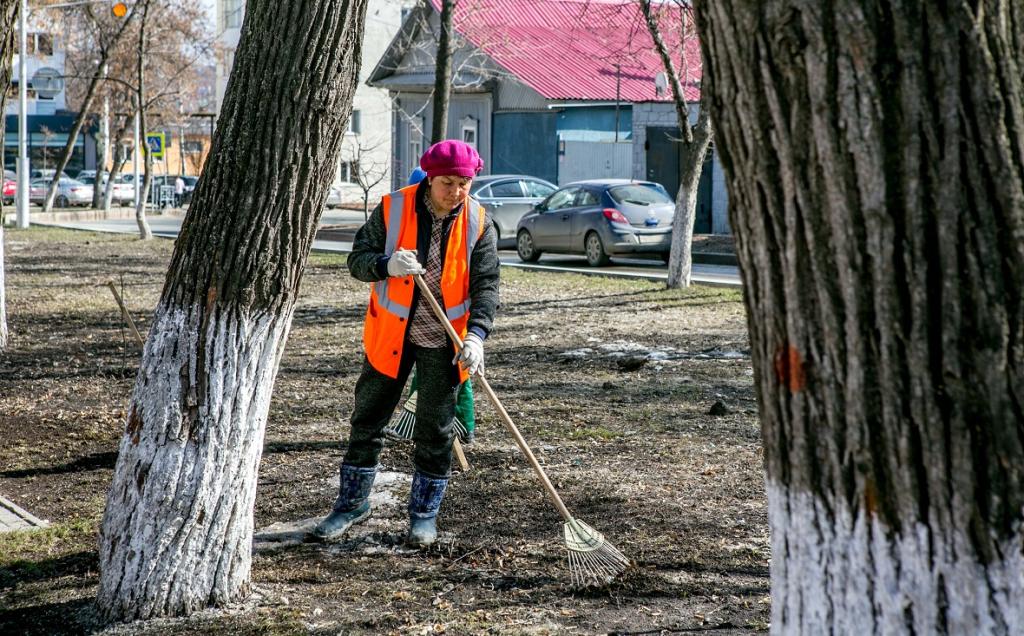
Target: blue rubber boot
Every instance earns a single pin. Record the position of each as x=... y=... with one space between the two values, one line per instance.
x=352 y=505
x=424 y=502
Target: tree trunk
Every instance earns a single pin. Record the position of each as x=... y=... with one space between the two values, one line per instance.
x=695 y=142
x=145 y=233
x=443 y=74
x=875 y=158
x=680 y=262
x=177 y=532
x=115 y=166
x=69 y=147
x=101 y=164
x=8 y=19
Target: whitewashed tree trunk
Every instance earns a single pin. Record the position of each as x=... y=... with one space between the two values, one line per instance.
x=8 y=18
x=4 y=334
x=695 y=141
x=875 y=161
x=177 y=530
x=680 y=262
x=145 y=233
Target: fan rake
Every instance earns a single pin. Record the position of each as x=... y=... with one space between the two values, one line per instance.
x=593 y=561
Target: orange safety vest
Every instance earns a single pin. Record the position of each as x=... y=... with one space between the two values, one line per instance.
x=387 y=317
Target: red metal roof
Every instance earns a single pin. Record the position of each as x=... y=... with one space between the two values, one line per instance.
x=569 y=49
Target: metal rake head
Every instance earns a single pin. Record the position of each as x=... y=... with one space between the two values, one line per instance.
x=592 y=560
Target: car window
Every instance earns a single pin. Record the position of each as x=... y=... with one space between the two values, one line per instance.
x=562 y=199
x=638 y=194
x=506 y=189
x=537 y=189
x=482 y=192
x=586 y=198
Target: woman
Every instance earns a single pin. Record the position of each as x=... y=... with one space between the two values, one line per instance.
x=436 y=230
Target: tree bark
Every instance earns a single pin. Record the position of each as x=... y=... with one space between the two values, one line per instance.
x=115 y=165
x=145 y=233
x=443 y=74
x=875 y=158
x=177 y=532
x=8 y=20
x=695 y=142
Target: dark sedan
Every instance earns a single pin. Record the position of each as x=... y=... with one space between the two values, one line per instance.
x=599 y=219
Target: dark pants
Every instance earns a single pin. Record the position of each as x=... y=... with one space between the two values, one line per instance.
x=377 y=395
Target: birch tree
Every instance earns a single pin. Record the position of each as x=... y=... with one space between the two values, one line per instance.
x=875 y=162
x=694 y=145
x=176 y=534
x=8 y=18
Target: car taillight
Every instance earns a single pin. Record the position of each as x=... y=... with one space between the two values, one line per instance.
x=614 y=216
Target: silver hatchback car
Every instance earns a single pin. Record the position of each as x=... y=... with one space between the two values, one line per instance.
x=508 y=197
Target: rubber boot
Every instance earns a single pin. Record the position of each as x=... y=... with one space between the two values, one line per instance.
x=352 y=505
x=424 y=502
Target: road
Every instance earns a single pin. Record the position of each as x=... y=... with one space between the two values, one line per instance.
x=337 y=228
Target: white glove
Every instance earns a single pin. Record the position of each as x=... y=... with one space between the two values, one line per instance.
x=472 y=355
x=404 y=263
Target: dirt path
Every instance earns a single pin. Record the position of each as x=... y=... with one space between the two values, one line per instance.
x=611 y=382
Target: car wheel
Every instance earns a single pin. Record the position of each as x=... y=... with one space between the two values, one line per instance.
x=61 y=201
x=525 y=247
x=594 y=249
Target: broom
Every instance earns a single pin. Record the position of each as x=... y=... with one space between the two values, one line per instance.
x=592 y=559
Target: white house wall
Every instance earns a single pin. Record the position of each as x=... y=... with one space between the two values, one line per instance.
x=383 y=19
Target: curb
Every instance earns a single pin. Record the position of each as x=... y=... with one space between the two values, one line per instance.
x=28 y=519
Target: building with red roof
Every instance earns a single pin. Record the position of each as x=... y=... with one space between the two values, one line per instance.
x=560 y=89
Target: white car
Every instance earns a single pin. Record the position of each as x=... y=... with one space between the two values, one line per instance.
x=69 y=192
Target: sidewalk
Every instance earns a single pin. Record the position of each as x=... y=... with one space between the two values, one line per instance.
x=13 y=517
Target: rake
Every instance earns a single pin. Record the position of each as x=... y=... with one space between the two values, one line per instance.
x=593 y=561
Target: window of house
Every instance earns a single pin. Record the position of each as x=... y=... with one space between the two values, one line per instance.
x=44 y=43
x=468 y=125
x=349 y=172
x=354 y=123
x=415 y=140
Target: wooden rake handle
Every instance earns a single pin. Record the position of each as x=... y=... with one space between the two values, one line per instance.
x=509 y=424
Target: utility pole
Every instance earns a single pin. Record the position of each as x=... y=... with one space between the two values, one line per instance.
x=23 y=163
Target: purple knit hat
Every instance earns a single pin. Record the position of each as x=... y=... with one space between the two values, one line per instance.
x=451 y=157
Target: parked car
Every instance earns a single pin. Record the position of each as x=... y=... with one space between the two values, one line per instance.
x=334 y=197
x=46 y=174
x=169 y=179
x=599 y=219
x=69 y=192
x=10 y=190
x=84 y=175
x=508 y=197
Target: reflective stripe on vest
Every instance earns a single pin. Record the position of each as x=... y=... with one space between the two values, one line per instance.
x=473 y=217
x=394 y=226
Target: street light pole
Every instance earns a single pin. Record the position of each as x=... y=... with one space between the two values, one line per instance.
x=135 y=161
x=23 y=162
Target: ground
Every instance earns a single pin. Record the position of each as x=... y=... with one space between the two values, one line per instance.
x=611 y=382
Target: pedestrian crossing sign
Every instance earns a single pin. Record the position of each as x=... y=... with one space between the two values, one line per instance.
x=156 y=142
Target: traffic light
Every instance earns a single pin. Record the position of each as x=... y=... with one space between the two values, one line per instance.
x=119 y=9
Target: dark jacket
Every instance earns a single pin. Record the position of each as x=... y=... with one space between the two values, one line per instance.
x=368 y=263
